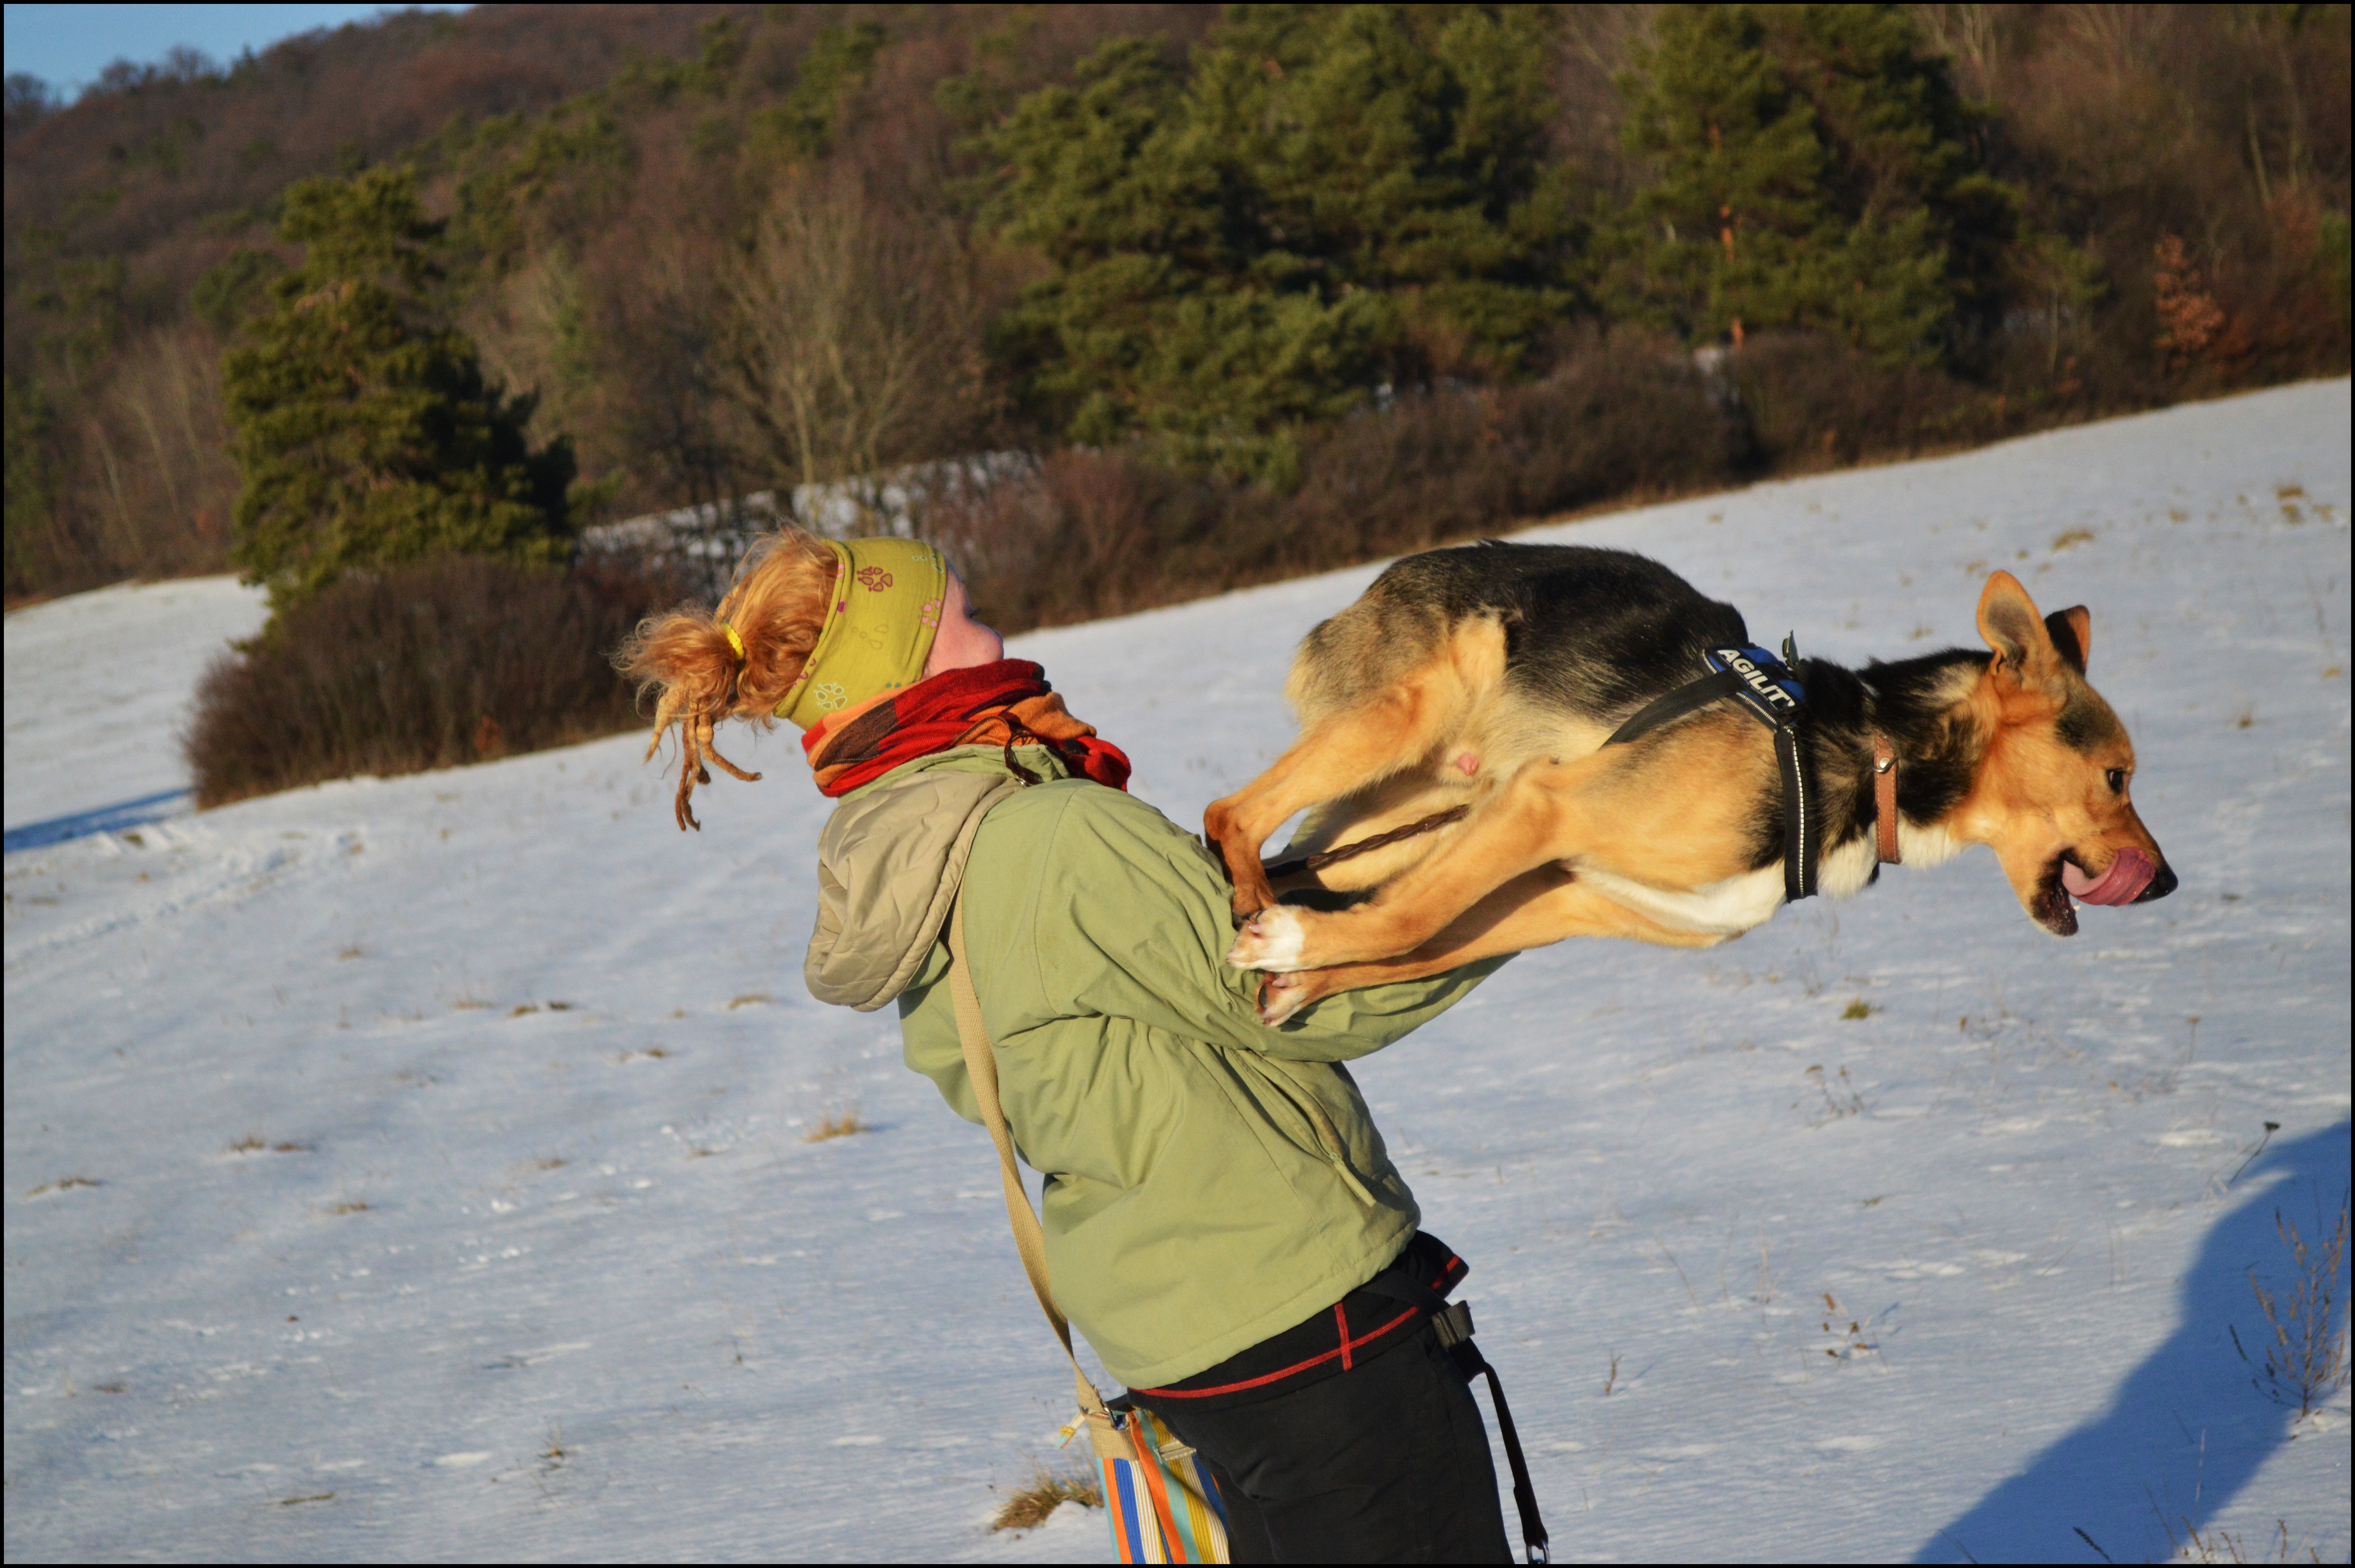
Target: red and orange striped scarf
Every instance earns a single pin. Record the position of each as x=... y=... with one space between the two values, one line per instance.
x=1007 y=704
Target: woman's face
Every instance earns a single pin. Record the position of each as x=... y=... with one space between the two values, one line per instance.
x=963 y=642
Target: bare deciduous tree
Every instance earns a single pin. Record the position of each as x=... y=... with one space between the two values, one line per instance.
x=155 y=438
x=852 y=343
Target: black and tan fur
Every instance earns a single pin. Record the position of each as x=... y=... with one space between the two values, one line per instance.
x=1492 y=676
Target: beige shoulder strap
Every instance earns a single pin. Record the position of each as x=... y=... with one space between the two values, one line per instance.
x=981 y=1067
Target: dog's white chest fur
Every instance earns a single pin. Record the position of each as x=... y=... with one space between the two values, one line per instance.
x=1730 y=907
x=1724 y=909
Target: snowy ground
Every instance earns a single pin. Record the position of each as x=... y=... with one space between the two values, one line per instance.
x=414 y=1169
x=97 y=697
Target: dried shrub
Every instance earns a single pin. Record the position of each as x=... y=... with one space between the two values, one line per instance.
x=448 y=662
x=1812 y=402
x=1081 y=533
x=1085 y=533
x=1623 y=416
x=2190 y=322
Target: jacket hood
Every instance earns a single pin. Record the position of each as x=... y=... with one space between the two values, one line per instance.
x=890 y=862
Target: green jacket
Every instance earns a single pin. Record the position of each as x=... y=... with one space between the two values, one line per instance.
x=1209 y=1181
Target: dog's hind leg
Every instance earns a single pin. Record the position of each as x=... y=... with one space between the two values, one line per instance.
x=1517 y=831
x=1670 y=815
x=1536 y=910
x=1345 y=752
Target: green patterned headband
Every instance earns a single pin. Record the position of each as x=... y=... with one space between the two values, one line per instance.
x=878 y=631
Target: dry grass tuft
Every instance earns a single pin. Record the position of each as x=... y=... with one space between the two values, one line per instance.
x=1849 y=1344
x=63 y=1184
x=842 y=1126
x=2306 y=1361
x=1048 y=1490
x=1860 y=1008
x=750 y=999
x=1841 y=1096
x=2223 y=1546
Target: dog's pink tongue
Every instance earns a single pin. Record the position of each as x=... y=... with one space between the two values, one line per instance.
x=2128 y=874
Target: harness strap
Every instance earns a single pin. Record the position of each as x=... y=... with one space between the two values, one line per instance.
x=1452 y=1322
x=1802 y=813
x=1537 y=1546
x=1676 y=704
x=1800 y=817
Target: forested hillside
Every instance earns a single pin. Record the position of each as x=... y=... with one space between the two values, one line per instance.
x=1251 y=291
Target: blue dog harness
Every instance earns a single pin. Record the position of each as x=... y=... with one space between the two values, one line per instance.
x=1769 y=690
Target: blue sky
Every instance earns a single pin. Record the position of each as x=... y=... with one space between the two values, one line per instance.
x=68 y=45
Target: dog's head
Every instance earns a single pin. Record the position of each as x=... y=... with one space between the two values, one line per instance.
x=2053 y=796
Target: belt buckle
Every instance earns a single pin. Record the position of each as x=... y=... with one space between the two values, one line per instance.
x=1454 y=1326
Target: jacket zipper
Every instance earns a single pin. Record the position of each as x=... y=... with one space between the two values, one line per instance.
x=1325 y=1138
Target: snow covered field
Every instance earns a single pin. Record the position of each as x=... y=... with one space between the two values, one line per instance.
x=414 y=1169
x=97 y=693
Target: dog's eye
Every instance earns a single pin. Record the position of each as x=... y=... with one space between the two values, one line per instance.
x=2117 y=777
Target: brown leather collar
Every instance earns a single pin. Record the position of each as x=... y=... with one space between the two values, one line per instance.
x=1884 y=800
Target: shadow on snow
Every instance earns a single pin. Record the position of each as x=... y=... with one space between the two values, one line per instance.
x=105 y=820
x=2185 y=1431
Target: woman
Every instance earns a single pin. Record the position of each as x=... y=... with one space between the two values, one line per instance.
x=1222 y=1223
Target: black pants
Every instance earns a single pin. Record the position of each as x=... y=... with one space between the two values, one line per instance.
x=1387 y=1463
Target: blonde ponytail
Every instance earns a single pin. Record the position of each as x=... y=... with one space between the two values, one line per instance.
x=691 y=656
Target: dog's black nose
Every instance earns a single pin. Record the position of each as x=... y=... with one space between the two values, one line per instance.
x=2161 y=885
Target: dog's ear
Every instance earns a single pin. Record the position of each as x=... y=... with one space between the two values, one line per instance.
x=2010 y=622
x=2071 y=630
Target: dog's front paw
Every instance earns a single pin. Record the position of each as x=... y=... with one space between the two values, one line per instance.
x=1280 y=996
x=1270 y=940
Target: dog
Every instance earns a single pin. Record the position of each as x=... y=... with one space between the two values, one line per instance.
x=1490 y=677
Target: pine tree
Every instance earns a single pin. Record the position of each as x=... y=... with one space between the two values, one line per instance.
x=1322 y=200
x=1927 y=229
x=1735 y=233
x=364 y=430
x=1402 y=150
x=1814 y=169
